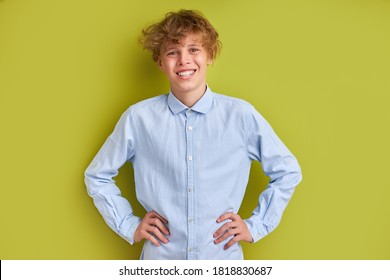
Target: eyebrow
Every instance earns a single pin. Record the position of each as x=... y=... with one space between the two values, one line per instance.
x=174 y=46
x=194 y=44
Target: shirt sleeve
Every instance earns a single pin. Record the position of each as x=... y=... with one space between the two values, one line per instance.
x=279 y=164
x=115 y=209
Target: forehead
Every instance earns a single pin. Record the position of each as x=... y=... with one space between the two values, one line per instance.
x=186 y=40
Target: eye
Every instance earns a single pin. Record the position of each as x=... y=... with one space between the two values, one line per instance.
x=193 y=50
x=171 y=53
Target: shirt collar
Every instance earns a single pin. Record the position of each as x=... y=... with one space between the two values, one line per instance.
x=202 y=106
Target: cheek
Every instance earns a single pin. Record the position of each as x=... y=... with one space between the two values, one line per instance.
x=169 y=65
x=165 y=67
x=204 y=60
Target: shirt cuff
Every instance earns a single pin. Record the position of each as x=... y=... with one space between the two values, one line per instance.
x=127 y=231
x=258 y=231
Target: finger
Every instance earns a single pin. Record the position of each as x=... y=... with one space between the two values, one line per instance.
x=157 y=233
x=153 y=240
x=226 y=235
x=143 y=233
x=225 y=227
x=235 y=239
x=158 y=223
x=154 y=214
x=225 y=216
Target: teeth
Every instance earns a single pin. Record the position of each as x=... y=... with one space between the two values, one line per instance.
x=186 y=73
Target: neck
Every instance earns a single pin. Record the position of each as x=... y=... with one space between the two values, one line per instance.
x=189 y=98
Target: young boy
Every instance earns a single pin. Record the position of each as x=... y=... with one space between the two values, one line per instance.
x=191 y=152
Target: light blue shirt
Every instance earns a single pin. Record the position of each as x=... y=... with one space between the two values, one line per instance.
x=192 y=165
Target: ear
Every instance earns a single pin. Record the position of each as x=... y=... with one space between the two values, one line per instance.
x=159 y=64
x=209 y=61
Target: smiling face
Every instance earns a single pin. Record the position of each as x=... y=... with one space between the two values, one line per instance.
x=185 y=65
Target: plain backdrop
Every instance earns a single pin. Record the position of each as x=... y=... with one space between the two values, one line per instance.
x=318 y=71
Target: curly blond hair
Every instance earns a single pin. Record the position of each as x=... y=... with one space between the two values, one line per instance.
x=174 y=27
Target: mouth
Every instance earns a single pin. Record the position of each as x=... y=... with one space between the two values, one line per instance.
x=186 y=73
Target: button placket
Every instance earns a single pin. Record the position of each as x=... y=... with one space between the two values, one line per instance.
x=189 y=129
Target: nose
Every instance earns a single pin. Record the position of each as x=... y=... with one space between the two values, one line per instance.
x=184 y=58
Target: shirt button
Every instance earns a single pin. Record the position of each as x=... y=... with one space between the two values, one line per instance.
x=190 y=189
x=190 y=220
x=190 y=250
x=189 y=157
x=189 y=128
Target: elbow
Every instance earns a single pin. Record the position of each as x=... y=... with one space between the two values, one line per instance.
x=88 y=181
x=296 y=175
x=91 y=181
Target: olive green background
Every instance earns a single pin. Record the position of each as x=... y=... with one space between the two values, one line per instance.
x=318 y=71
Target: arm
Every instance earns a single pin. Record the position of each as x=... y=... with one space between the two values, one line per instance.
x=284 y=172
x=279 y=164
x=115 y=209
